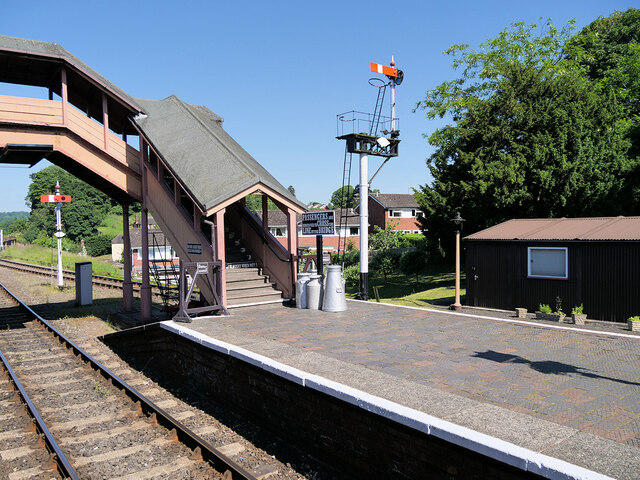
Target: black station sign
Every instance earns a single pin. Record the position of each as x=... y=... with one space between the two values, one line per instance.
x=318 y=223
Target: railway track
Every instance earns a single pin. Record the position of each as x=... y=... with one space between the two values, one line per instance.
x=93 y=423
x=69 y=275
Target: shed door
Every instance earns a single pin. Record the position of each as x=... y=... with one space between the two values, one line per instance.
x=490 y=278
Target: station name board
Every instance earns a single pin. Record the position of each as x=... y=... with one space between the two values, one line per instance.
x=318 y=223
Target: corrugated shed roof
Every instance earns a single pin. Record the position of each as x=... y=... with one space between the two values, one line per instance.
x=395 y=200
x=209 y=162
x=586 y=229
x=51 y=49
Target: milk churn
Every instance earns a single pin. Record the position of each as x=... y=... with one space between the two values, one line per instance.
x=334 y=299
x=314 y=293
x=301 y=290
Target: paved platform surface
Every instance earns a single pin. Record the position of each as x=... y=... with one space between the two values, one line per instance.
x=570 y=393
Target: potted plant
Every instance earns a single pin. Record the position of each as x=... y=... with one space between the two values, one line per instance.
x=634 y=323
x=521 y=312
x=544 y=312
x=577 y=315
x=558 y=315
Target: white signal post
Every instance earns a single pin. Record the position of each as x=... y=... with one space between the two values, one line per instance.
x=364 y=226
x=58 y=200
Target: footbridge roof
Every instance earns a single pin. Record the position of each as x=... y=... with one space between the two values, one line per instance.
x=37 y=63
x=210 y=163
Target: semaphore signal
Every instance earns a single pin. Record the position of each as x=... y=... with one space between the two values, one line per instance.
x=58 y=200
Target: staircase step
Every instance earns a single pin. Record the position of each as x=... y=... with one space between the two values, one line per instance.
x=243 y=273
x=241 y=265
x=266 y=290
x=248 y=283
x=234 y=302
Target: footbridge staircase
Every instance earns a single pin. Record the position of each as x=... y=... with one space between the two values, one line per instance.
x=172 y=157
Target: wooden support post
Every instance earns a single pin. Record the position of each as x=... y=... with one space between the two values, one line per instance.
x=220 y=252
x=145 y=289
x=197 y=218
x=64 y=94
x=265 y=224
x=292 y=243
x=105 y=121
x=127 y=286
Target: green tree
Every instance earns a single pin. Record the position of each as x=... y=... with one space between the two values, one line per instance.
x=385 y=262
x=384 y=239
x=254 y=203
x=608 y=49
x=80 y=218
x=342 y=198
x=413 y=262
x=530 y=136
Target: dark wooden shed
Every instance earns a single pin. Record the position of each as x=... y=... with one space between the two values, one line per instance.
x=590 y=261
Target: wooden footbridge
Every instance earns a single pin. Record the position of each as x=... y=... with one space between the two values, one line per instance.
x=186 y=170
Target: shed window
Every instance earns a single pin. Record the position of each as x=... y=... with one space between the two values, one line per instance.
x=548 y=262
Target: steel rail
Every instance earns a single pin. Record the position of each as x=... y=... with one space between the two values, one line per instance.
x=60 y=459
x=100 y=280
x=200 y=446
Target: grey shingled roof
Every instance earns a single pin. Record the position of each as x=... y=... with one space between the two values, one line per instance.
x=53 y=50
x=209 y=162
x=395 y=200
x=563 y=229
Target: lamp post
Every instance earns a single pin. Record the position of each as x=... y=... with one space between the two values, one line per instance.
x=458 y=223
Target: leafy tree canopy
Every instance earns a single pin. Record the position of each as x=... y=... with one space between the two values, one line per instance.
x=80 y=218
x=343 y=198
x=530 y=136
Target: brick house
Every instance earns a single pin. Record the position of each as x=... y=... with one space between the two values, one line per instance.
x=399 y=209
x=278 y=228
x=159 y=249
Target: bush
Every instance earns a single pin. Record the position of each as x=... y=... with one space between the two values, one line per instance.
x=416 y=240
x=351 y=275
x=385 y=262
x=413 y=262
x=52 y=242
x=98 y=245
x=351 y=257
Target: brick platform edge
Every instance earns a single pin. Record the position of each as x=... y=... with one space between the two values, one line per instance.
x=359 y=433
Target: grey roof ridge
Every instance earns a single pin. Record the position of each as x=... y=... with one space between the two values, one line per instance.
x=206 y=127
x=58 y=51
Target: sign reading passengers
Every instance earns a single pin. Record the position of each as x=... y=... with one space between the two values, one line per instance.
x=318 y=223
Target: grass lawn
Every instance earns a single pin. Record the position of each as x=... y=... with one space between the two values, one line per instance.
x=48 y=256
x=111 y=225
x=436 y=286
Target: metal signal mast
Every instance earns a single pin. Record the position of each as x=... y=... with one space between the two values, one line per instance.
x=58 y=200
x=379 y=141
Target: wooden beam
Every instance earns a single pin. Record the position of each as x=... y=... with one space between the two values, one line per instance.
x=65 y=94
x=105 y=120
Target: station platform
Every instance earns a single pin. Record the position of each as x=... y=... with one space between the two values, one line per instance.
x=558 y=400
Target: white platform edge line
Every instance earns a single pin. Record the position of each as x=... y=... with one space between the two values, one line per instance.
x=506 y=320
x=487 y=445
x=268 y=302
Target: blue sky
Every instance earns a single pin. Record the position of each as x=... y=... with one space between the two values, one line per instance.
x=279 y=72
